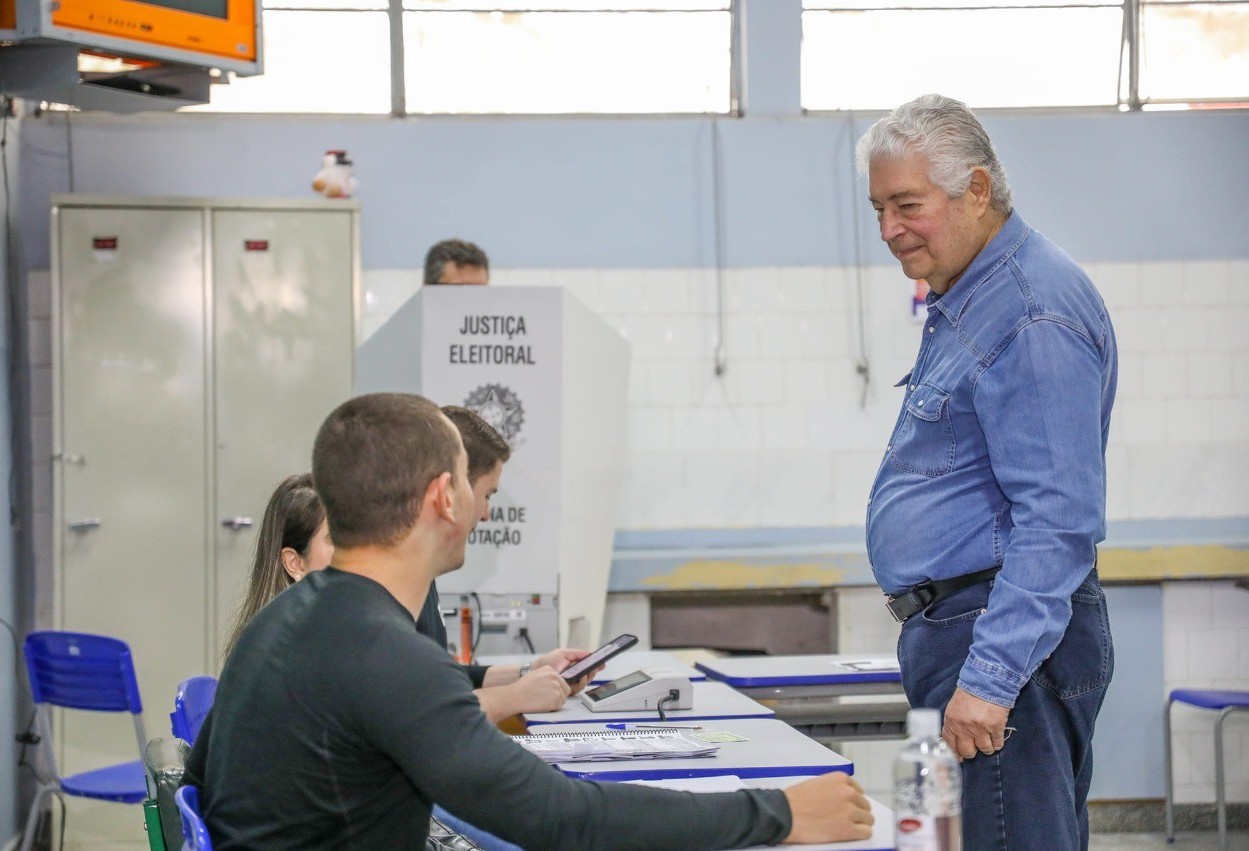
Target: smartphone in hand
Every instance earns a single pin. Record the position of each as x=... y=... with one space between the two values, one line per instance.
x=617 y=645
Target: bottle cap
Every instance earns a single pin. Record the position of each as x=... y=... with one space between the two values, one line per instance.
x=923 y=724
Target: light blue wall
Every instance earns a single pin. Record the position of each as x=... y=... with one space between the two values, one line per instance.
x=637 y=192
x=1127 y=745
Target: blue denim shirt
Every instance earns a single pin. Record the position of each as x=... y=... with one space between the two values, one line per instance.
x=999 y=453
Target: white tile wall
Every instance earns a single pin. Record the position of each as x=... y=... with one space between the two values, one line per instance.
x=1162 y=284
x=1207 y=282
x=790 y=348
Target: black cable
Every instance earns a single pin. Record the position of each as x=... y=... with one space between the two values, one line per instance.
x=477 y=621
x=673 y=695
x=17 y=657
x=26 y=740
x=523 y=633
x=30 y=739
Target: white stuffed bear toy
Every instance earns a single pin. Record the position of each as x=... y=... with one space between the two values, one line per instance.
x=334 y=180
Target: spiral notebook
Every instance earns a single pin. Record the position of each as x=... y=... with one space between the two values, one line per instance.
x=611 y=745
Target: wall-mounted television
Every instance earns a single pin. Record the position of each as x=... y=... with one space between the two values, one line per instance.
x=222 y=34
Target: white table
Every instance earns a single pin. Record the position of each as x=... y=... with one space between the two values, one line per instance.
x=815 y=675
x=771 y=749
x=809 y=692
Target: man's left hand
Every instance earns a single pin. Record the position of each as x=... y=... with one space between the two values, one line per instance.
x=974 y=726
x=561 y=658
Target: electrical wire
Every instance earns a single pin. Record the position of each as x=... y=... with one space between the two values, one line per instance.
x=30 y=739
x=17 y=657
x=863 y=366
x=673 y=695
x=28 y=145
x=717 y=214
x=476 y=621
x=523 y=633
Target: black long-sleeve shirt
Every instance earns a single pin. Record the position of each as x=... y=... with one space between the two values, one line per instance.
x=429 y=622
x=337 y=725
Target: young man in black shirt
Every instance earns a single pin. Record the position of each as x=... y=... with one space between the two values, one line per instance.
x=337 y=725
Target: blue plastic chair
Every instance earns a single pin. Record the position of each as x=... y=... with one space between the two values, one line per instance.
x=191 y=705
x=1225 y=703
x=79 y=671
x=194 y=831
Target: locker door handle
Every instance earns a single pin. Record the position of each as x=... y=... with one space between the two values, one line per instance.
x=237 y=522
x=84 y=524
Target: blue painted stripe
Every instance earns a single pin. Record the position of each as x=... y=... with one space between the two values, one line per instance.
x=779 y=680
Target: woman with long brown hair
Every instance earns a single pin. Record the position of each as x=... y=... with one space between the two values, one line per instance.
x=294 y=540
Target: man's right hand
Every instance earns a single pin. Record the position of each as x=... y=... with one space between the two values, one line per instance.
x=540 y=690
x=831 y=808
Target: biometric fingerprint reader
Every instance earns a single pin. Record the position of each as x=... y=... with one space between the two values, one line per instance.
x=641 y=691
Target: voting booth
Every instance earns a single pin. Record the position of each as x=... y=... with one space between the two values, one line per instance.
x=552 y=378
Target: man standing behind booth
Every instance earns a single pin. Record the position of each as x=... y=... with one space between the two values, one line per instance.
x=456 y=261
x=984 y=518
x=337 y=725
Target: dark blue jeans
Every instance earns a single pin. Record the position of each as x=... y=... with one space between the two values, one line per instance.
x=1033 y=793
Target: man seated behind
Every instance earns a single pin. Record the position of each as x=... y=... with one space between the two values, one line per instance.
x=337 y=725
x=503 y=690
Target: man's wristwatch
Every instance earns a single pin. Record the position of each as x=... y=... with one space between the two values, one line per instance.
x=524 y=669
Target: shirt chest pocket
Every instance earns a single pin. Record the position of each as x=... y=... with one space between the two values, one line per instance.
x=924 y=441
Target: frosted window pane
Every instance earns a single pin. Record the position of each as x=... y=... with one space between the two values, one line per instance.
x=880 y=59
x=564 y=5
x=1195 y=52
x=541 y=62
x=880 y=5
x=315 y=62
x=377 y=5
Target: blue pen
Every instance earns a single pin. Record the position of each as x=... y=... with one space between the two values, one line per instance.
x=622 y=726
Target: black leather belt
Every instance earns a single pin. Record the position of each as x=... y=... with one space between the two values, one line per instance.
x=923 y=595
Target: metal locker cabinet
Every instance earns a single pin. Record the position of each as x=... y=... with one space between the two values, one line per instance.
x=284 y=333
x=131 y=428
x=198 y=344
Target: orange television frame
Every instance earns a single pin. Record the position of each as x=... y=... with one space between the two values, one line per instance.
x=155 y=29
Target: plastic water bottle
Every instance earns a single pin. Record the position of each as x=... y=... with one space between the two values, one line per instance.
x=927 y=788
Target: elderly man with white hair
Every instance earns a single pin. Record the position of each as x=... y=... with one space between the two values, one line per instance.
x=984 y=518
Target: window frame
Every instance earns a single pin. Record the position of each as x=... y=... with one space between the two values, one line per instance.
x=1129 y=88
